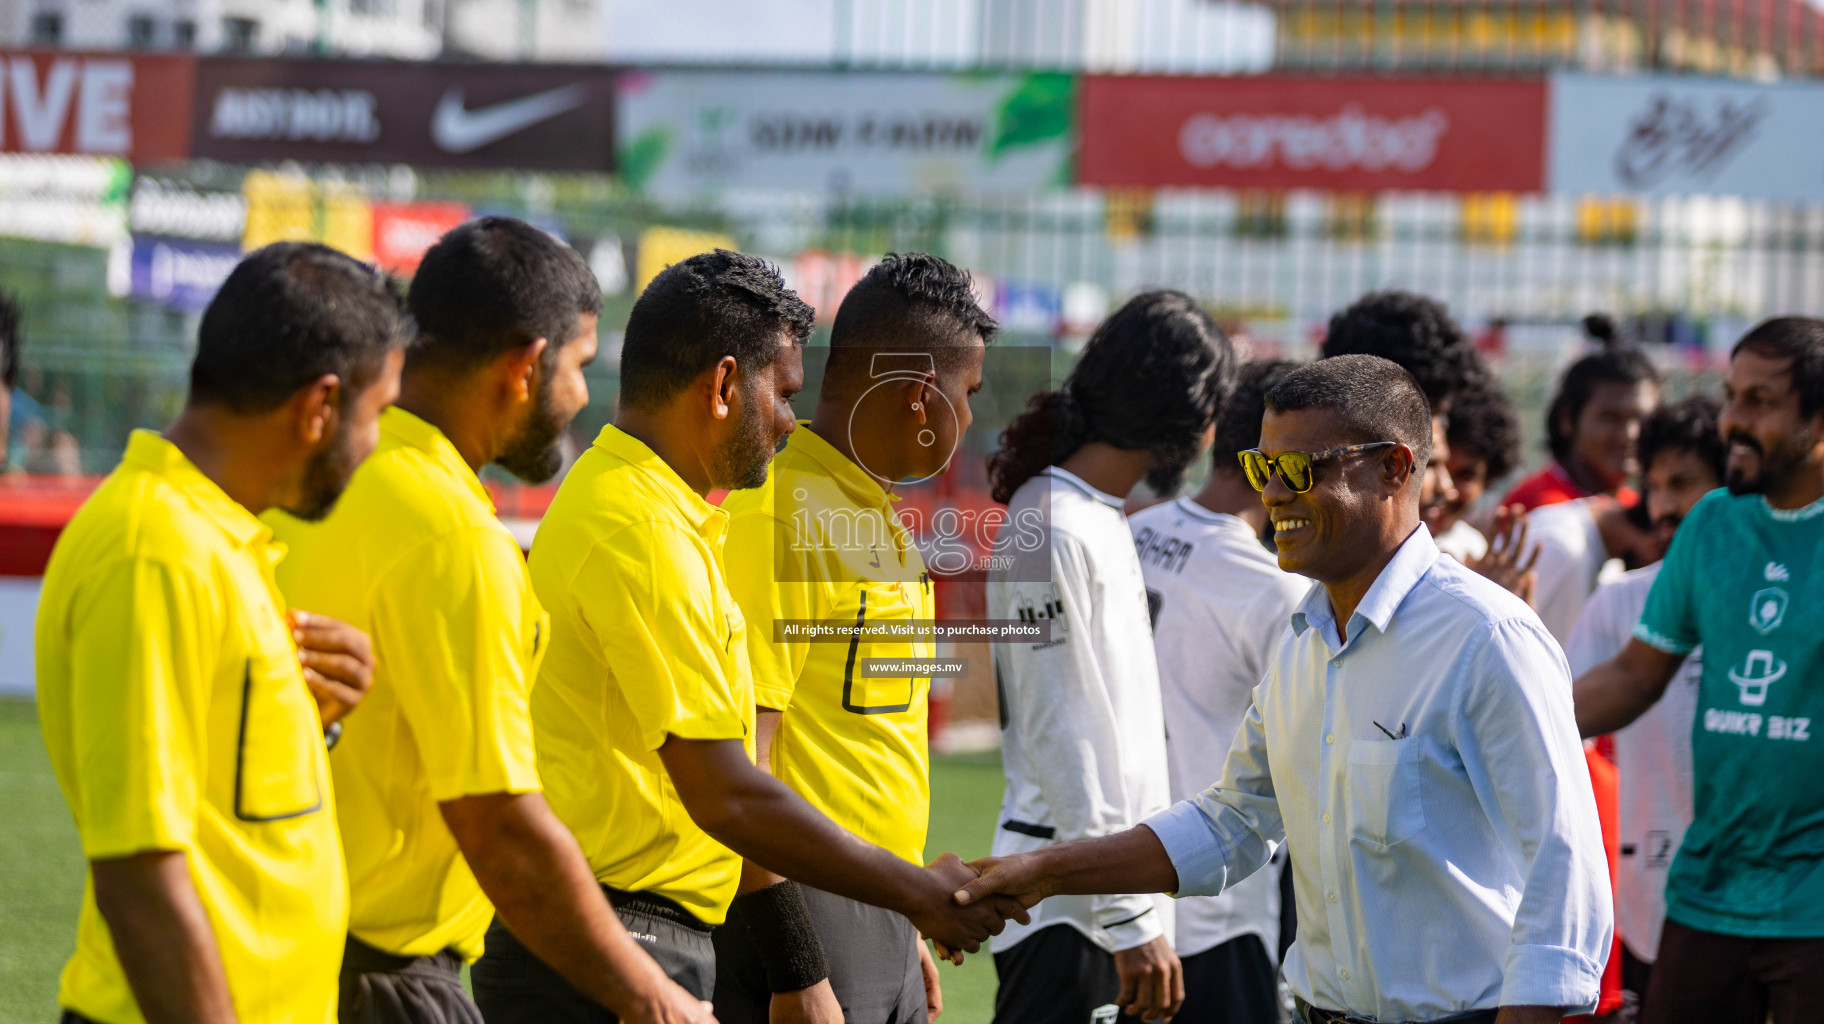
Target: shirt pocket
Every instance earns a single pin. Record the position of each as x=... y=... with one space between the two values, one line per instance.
x=864 y=694
x=1386 y=802
x=276 y=746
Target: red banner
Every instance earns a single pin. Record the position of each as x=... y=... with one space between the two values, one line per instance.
x=402 y=231
x=96 y=104
x=1348 y=134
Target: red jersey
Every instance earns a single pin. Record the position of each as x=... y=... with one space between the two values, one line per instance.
x=1553 y=485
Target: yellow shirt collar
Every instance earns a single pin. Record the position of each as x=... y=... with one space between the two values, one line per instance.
x=409 y=429
x=706 y=519
x=858 y=483
x=151 y=453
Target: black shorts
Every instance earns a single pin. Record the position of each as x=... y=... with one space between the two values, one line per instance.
x=1234 y=983
x=1057 y=976
x=514 y=987
x=1707 y=978
x=873 y=957
x=377 y=987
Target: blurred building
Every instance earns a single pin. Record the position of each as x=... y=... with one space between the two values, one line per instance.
x=557 y=30
x=1170 y=36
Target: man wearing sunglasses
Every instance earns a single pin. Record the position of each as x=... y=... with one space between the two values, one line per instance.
x=1412 y=742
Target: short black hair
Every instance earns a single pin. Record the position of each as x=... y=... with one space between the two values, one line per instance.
x=9 y=341
x=1613 y=364
x=495 y=284
x=1151 y=378
x=286 y=315
x=1800 y=339
x=1690 y=426
x=1238 y=425
x=700 y=310
x=1412 y=331
x=914 y=296
x=1483 y=422
x=1375 y=399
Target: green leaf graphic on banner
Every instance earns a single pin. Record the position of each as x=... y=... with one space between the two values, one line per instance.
x=1037 y=110
x=639 y=158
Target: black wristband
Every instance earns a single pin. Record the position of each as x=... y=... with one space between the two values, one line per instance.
x=779 y=922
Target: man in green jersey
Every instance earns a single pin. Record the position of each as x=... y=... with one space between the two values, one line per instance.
x=1744 y=935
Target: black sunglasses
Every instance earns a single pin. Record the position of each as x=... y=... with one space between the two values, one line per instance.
x=1295 y=467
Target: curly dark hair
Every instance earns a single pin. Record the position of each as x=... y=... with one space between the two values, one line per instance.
x=1151 y=378
x=1690 y=426
x=1413 y=331
x=1238 y=425
x=699 y=310
x=1614 y=364
x=1483 y=421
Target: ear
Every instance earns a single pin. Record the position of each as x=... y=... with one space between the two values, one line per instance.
x=919 y=392
x=520 y=365
x=724 y=387
x=315 y=408
x=1398 y=466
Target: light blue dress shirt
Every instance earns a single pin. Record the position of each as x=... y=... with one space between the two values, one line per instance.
x=1430 y=786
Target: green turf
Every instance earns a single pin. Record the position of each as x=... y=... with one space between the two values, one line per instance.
x=965 y=800
x=41 y=883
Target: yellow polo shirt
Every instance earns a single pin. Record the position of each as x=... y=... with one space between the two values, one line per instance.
x=415 y=555
x=821 y=541
x=176 y=718
x=646 y=643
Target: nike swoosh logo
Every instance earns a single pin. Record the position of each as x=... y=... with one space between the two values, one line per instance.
x=457 y=129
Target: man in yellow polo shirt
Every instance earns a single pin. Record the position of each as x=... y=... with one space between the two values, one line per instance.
x=644 y=709
x=437 y=791
x=176 y=710
x=822 y=541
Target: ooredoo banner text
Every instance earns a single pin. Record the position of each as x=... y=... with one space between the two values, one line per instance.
x=1346 y=134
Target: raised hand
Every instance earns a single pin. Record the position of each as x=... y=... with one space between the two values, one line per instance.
x=1508 y=562
x=338 y=662
x=954 y=926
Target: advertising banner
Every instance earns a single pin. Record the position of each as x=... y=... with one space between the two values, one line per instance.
x=403 y=231
x=1665 y=135
x=1345 y=134
x=178 y=273
x=535 y=116
x=96 y=104
x=685 y=132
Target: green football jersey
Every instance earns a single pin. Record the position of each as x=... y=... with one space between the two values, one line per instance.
x=1746 y=581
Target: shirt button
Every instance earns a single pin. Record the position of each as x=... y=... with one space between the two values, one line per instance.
x=1326 y=817
x=1344 y=973
x=1330 y=737
x=1331 y=895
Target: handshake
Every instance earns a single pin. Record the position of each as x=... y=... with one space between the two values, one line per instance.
x=964 y=904
x=969 y=902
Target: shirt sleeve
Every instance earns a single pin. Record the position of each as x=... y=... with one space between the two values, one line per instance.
x=457 y=635
x=665 y=630
x=1225 y=833
x=1670 y=620
x=144 y=642
x=770 y=581
x=1059 y=697
x=1517 y=736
